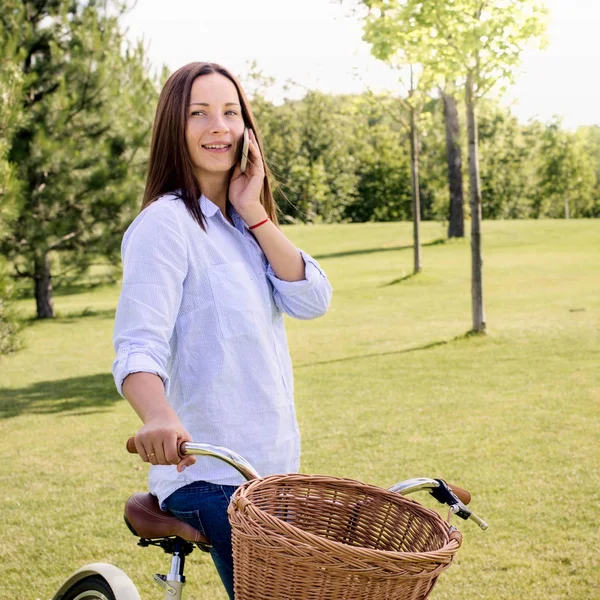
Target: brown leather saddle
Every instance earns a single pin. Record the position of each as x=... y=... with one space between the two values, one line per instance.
x=146 y=520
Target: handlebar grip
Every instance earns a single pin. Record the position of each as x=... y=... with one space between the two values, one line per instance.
x=130 y=446
x=463 y=495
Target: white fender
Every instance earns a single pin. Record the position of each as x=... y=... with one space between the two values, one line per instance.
x=121 y=585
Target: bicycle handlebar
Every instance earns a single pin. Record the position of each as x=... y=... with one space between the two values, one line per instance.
x=457 y=498
x=239 y=463
x=445 y=493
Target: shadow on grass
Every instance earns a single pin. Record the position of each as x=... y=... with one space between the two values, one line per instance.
x=374 y=250
x=108 y=313
x=71 y=317
x=400 y=279
x=458 y=338
x=71 y=289
x=77 y=395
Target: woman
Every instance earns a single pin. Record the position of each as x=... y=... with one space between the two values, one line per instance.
x=207 y=276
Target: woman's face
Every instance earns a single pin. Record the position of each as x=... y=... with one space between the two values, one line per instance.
x=215 y=124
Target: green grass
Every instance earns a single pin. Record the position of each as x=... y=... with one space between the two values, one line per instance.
x=388 y=386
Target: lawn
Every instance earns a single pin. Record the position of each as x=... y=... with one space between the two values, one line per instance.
x=388 y=386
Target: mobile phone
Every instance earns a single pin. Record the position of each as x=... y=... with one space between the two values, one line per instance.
x=244 y=157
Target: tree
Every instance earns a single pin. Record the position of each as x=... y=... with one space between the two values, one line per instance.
x=456 y=218
x=400 y=43
x=361 y=166
x=384 y=172
x=590 y=137
x=479 y=42
x=401 y=40
x=309 y=149
x=88 y=104
x=567 y=175
x=10 y=118
x=509 y=156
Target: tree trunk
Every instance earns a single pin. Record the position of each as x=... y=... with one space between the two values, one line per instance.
x=456 y=220
x=414 y=179
x=43 y=287
x=475 y=203
x=566 y=206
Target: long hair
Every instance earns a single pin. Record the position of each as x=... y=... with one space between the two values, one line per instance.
x=170 y=167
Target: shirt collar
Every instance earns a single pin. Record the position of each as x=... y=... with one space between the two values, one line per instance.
x=209 y=209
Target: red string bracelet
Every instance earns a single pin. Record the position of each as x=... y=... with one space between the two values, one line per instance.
x=258 y=224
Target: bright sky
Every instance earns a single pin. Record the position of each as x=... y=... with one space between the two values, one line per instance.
x=317 y=44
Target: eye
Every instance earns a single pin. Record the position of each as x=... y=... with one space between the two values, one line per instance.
x=197 y=112
x=233 y=112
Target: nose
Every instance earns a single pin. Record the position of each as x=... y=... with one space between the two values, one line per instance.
x=219 y=125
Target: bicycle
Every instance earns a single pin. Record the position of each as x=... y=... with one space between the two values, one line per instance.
x=154 y=527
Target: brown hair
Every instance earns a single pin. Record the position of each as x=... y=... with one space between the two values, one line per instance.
x=170 y=167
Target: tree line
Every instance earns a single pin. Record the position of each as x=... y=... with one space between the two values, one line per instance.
x=347 y=158
x=76 y=117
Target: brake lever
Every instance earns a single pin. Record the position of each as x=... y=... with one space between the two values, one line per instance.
x=445 y=495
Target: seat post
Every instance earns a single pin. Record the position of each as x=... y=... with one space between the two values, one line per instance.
x=175 y=580
x=177 y=562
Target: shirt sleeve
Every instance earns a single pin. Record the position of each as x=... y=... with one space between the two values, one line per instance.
x=305 y=299
x=154 y=258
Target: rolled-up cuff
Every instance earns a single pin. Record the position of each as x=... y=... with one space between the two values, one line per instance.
x=312 y=275
x=130 y=361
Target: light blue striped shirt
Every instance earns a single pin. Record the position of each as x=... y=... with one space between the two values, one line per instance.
x=204 y=311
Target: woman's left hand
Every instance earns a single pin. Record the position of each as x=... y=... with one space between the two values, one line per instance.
x=245 y=188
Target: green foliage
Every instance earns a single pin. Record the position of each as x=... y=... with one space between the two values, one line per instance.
x=87 y=111
x=434 y=166
x=346 y=157
x=509 y=154
x=590 y=139
x=478 y=43
x=360 y=169
x=567 y=175
x=484 y=38
x=11 y=117
x=309 y=149
x=9 y=341
x=383 y=163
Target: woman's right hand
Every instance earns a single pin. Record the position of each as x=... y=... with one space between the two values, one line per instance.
x=157 y=442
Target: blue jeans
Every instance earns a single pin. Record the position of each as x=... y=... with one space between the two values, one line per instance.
x=203 y=505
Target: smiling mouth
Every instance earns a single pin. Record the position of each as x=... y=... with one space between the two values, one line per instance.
x=218 y=148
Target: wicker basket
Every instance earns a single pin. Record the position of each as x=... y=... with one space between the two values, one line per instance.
x=302 y=537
